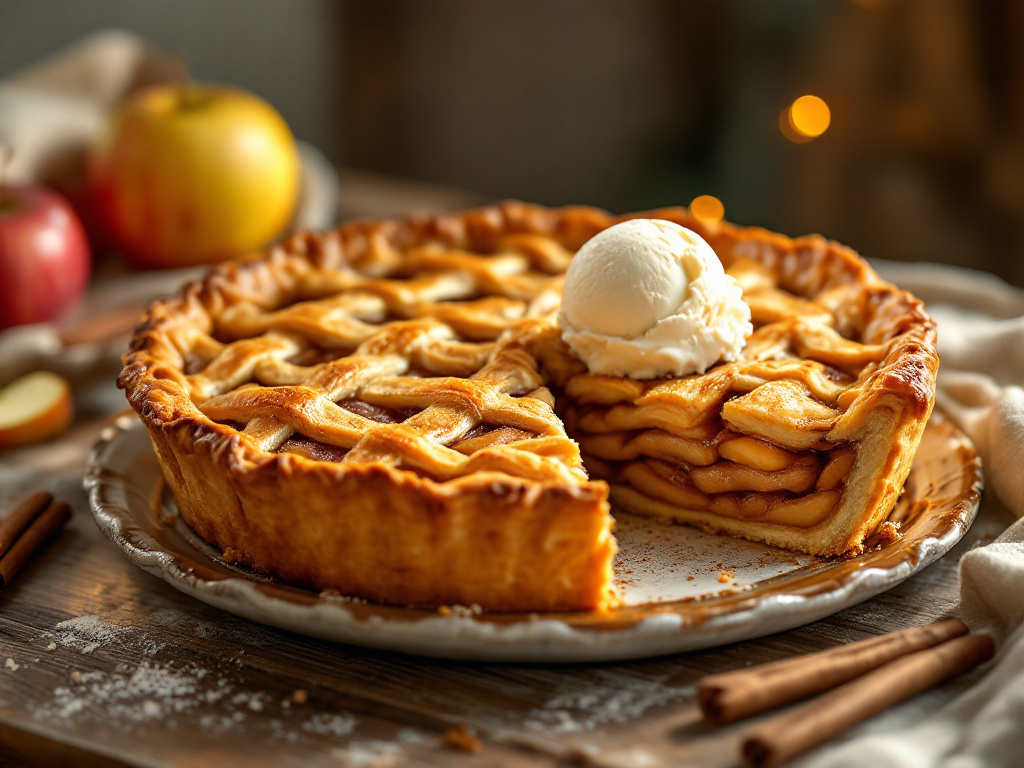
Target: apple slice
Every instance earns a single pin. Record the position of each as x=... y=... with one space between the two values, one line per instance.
x=33 y=408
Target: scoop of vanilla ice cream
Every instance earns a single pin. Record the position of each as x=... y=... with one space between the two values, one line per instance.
x=626 y=279
x=649 y=298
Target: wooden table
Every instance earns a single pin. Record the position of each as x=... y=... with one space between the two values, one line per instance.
x=104 y=664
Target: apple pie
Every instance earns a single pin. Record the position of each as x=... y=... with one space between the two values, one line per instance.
x=388 y=409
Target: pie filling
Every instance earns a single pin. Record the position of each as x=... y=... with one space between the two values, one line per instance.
x=730 y=474
x=726 y=473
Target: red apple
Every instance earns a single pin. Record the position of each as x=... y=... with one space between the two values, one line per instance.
x=189 y=174
x=44 y=256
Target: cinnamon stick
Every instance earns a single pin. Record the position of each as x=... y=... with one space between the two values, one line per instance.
x=781 y=738
x=732 y=696
x=32 y=538
x=16 y=522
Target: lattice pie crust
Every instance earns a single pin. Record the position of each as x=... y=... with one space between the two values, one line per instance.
x=371 y=410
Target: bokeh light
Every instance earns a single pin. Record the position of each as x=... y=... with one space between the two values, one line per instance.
x=707 y=209
x=809 y=116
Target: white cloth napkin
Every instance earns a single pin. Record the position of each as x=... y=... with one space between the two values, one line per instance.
x=981 y=372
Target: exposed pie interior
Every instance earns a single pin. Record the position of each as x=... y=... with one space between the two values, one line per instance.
x=388 y=409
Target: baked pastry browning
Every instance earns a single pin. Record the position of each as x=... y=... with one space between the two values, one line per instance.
x=358 y=411
x=369 y=410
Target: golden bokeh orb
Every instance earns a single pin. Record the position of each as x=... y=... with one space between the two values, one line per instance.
x=707 y=209
x=809 y=116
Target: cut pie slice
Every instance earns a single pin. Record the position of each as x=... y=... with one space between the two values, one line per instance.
x=371 y=410
x=806 y=440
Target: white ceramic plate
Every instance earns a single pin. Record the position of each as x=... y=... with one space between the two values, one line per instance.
x=683 y=589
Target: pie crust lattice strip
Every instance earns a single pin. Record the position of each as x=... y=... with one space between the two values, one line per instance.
x=383 y=409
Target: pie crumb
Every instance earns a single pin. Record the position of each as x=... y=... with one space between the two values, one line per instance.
x=462 y=739
x=724 y=576
x=886 y=533
x=444 y=610
x=300 y=696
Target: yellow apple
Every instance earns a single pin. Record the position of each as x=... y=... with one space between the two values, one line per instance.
x=33 y=408
x=193 y=174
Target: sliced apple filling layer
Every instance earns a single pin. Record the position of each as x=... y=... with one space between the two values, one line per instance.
x=731 y=474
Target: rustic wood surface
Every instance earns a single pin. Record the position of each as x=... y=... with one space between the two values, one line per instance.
x=104 y=664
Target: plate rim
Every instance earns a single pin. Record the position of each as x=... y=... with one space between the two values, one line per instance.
x=630 y=632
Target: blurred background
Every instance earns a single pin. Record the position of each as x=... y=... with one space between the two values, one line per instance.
x=913 y=150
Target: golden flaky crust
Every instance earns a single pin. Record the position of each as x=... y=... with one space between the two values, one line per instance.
x=367 y=410
x=397 y=514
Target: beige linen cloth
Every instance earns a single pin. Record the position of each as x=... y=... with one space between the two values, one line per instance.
x=51 y=112
x=981 y=374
